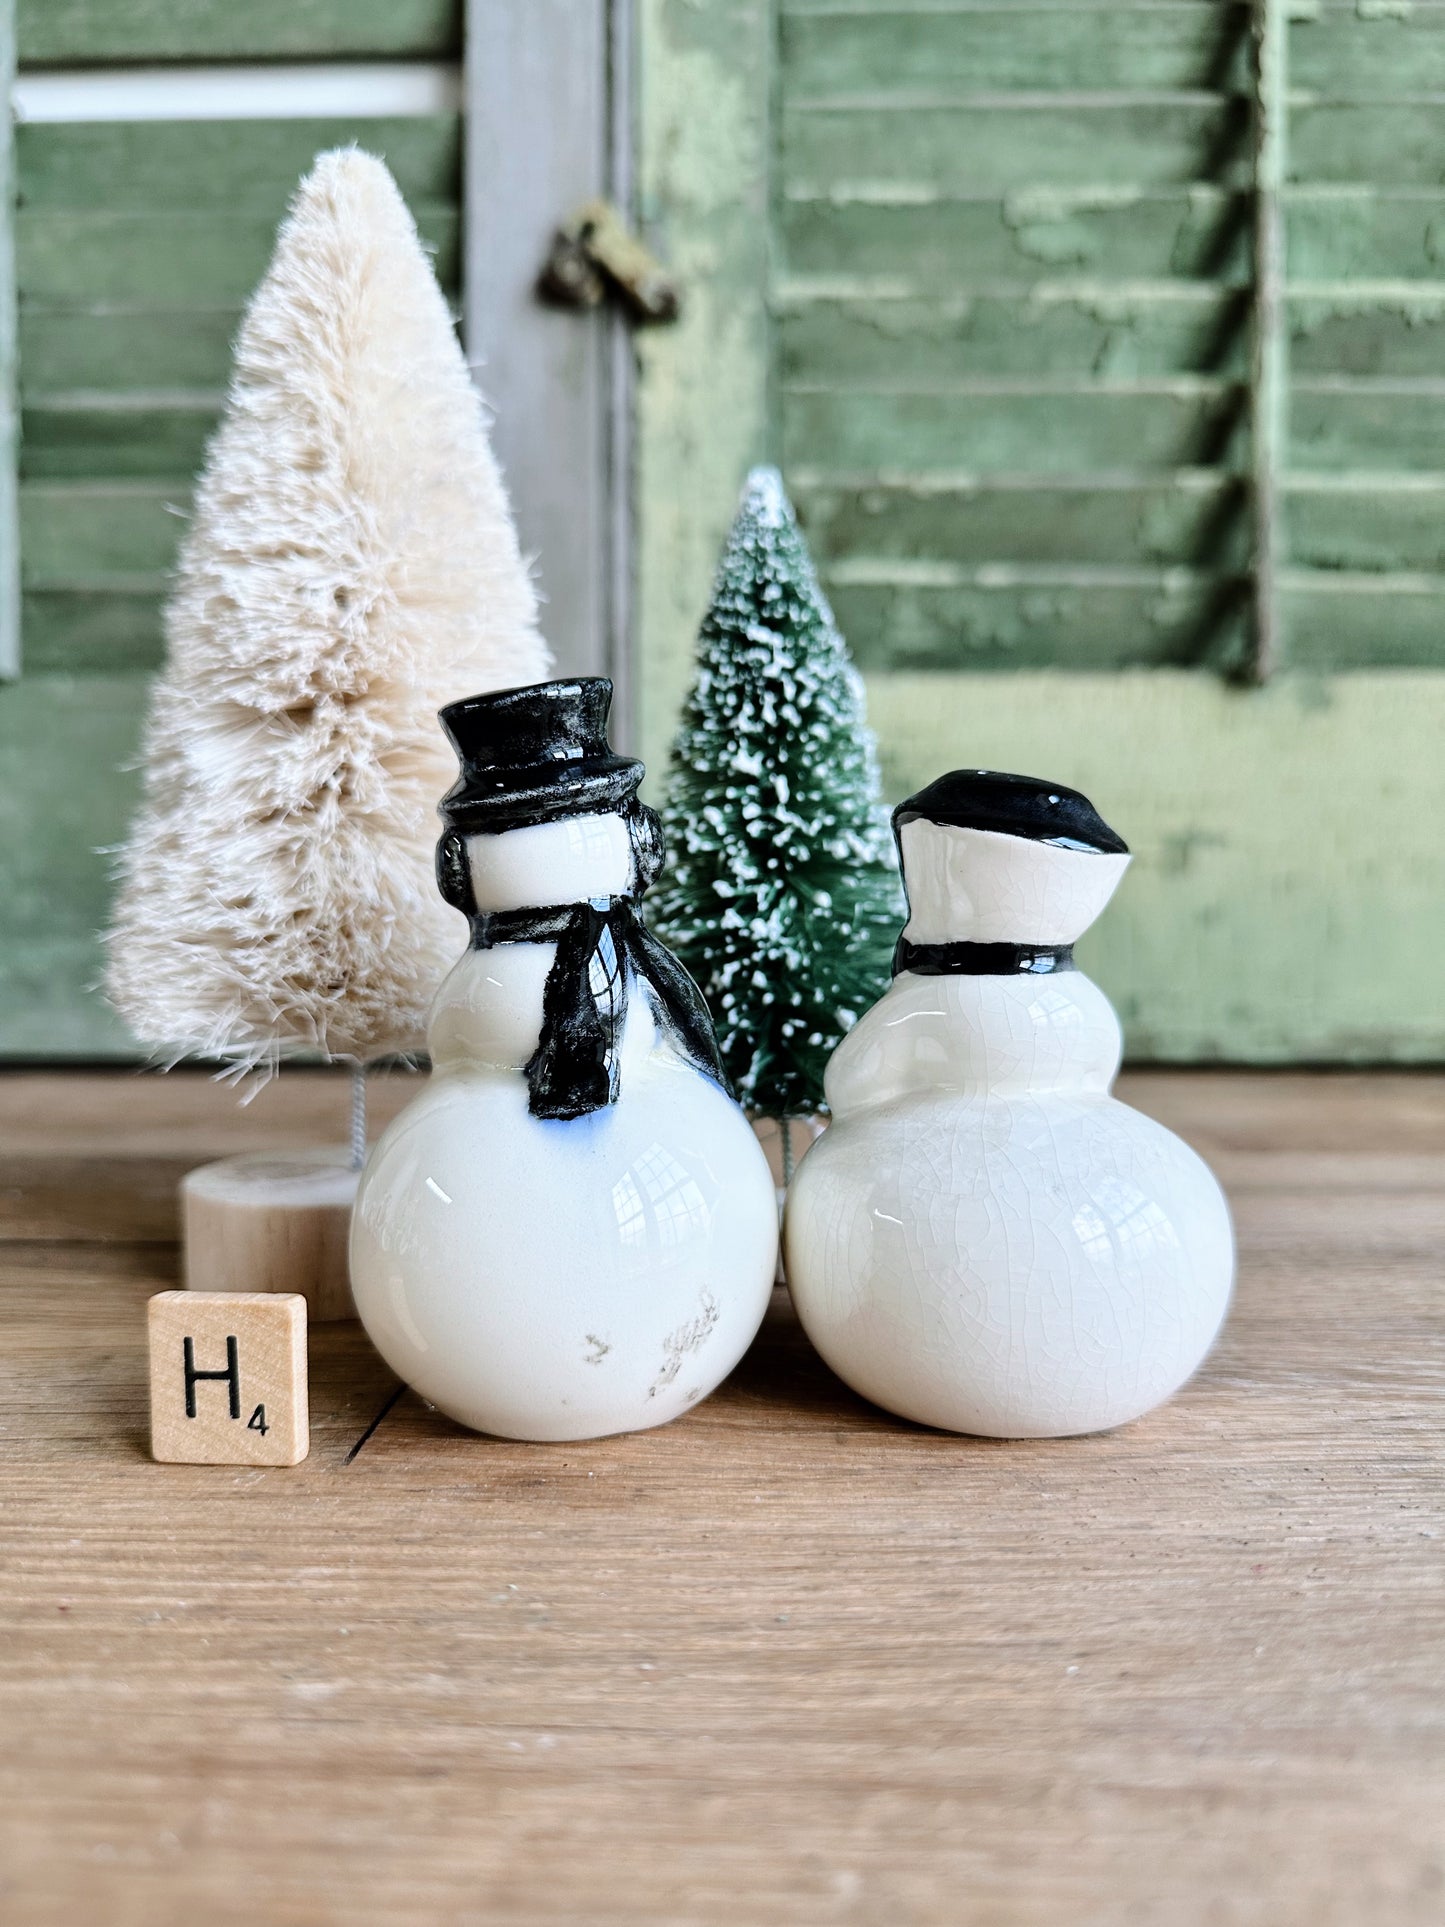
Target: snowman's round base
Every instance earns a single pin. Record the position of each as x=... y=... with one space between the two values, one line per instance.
x=272 y=1221
x=555 y=1279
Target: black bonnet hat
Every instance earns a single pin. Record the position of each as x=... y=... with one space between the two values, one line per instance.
x=987 y=799
x=529 y=755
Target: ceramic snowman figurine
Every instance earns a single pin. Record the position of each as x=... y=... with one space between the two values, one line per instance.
x=572 y=1230
x=984 y=1239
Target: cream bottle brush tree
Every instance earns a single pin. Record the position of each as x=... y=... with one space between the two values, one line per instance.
x=351 y=566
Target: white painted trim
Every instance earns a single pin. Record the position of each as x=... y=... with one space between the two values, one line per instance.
x=621 y=522
x=548 y=126
x=359 y=90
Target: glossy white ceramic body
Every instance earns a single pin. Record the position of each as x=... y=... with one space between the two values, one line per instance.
x=984 y=1239
x=559 y=1279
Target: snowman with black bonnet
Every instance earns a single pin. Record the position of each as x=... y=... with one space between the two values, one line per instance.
x=572 y=1231
x=984 y=1239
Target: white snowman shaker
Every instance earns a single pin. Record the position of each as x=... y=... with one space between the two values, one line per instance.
x=572 y=1230
x=984 y=1239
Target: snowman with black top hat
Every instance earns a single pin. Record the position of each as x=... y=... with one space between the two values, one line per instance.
x=572 y=1231
x=984 y=1239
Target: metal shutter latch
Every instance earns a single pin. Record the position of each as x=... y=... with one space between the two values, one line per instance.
x=596 y=254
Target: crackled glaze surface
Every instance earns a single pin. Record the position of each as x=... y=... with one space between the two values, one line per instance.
x=546 y=1277
x=984 y=1239
x=981 y=886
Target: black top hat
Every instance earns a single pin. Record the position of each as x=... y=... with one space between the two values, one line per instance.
x=529 y=755
x=987 y=799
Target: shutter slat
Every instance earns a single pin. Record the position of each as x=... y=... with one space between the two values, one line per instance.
x=223 y=165
x=918 y=239
x=1190 y=517
x=112 y=628
x=1348 y=520
x=1368 y=621
x=142 y=348
x=77 y=534
x=58 y=33
x=1003 y=145
x=1350 y=230
x=1396 y=143
x=1358 y=522
x=1187 y=422
x=1187 y=47
x=1386 y=328
x=1392 y=328
x=82 y=436
x=1343 y=423
x=1110 y=328
x=1334 y=621
x=72 y=258
x=926 y=239
x=1081 y=620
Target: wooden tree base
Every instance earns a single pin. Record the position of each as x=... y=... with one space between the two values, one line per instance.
x=273 y=1221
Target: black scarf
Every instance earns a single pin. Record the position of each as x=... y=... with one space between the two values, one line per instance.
x=575 y=1067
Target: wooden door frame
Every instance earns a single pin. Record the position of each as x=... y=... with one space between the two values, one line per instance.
x=9 y=373
x=705 y=174
x=549 y=96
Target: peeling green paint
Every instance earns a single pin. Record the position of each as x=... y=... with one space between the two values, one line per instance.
x=1287 y=899
x=1001 y=355
x=705 y=169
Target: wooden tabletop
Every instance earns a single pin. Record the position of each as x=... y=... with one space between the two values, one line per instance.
x=786 y=1661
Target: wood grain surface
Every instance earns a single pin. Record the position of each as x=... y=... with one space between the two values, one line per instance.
x=787 y=1661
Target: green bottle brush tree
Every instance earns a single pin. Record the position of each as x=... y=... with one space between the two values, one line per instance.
x=781 y=893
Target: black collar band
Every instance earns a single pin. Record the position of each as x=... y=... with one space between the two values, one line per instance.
x=982 y=959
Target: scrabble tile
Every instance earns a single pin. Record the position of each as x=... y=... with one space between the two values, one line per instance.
x=228 y=1377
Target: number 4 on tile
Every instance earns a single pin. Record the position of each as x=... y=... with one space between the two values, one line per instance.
x=228 y=1377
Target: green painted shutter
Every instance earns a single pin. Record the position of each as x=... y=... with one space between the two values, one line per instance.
x=1365 y=221
x=1014 y=315
x=1013 y=327
x=1003 y=333
x=136 y=245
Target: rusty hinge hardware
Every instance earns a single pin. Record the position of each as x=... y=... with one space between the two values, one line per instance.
x=596 y=254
